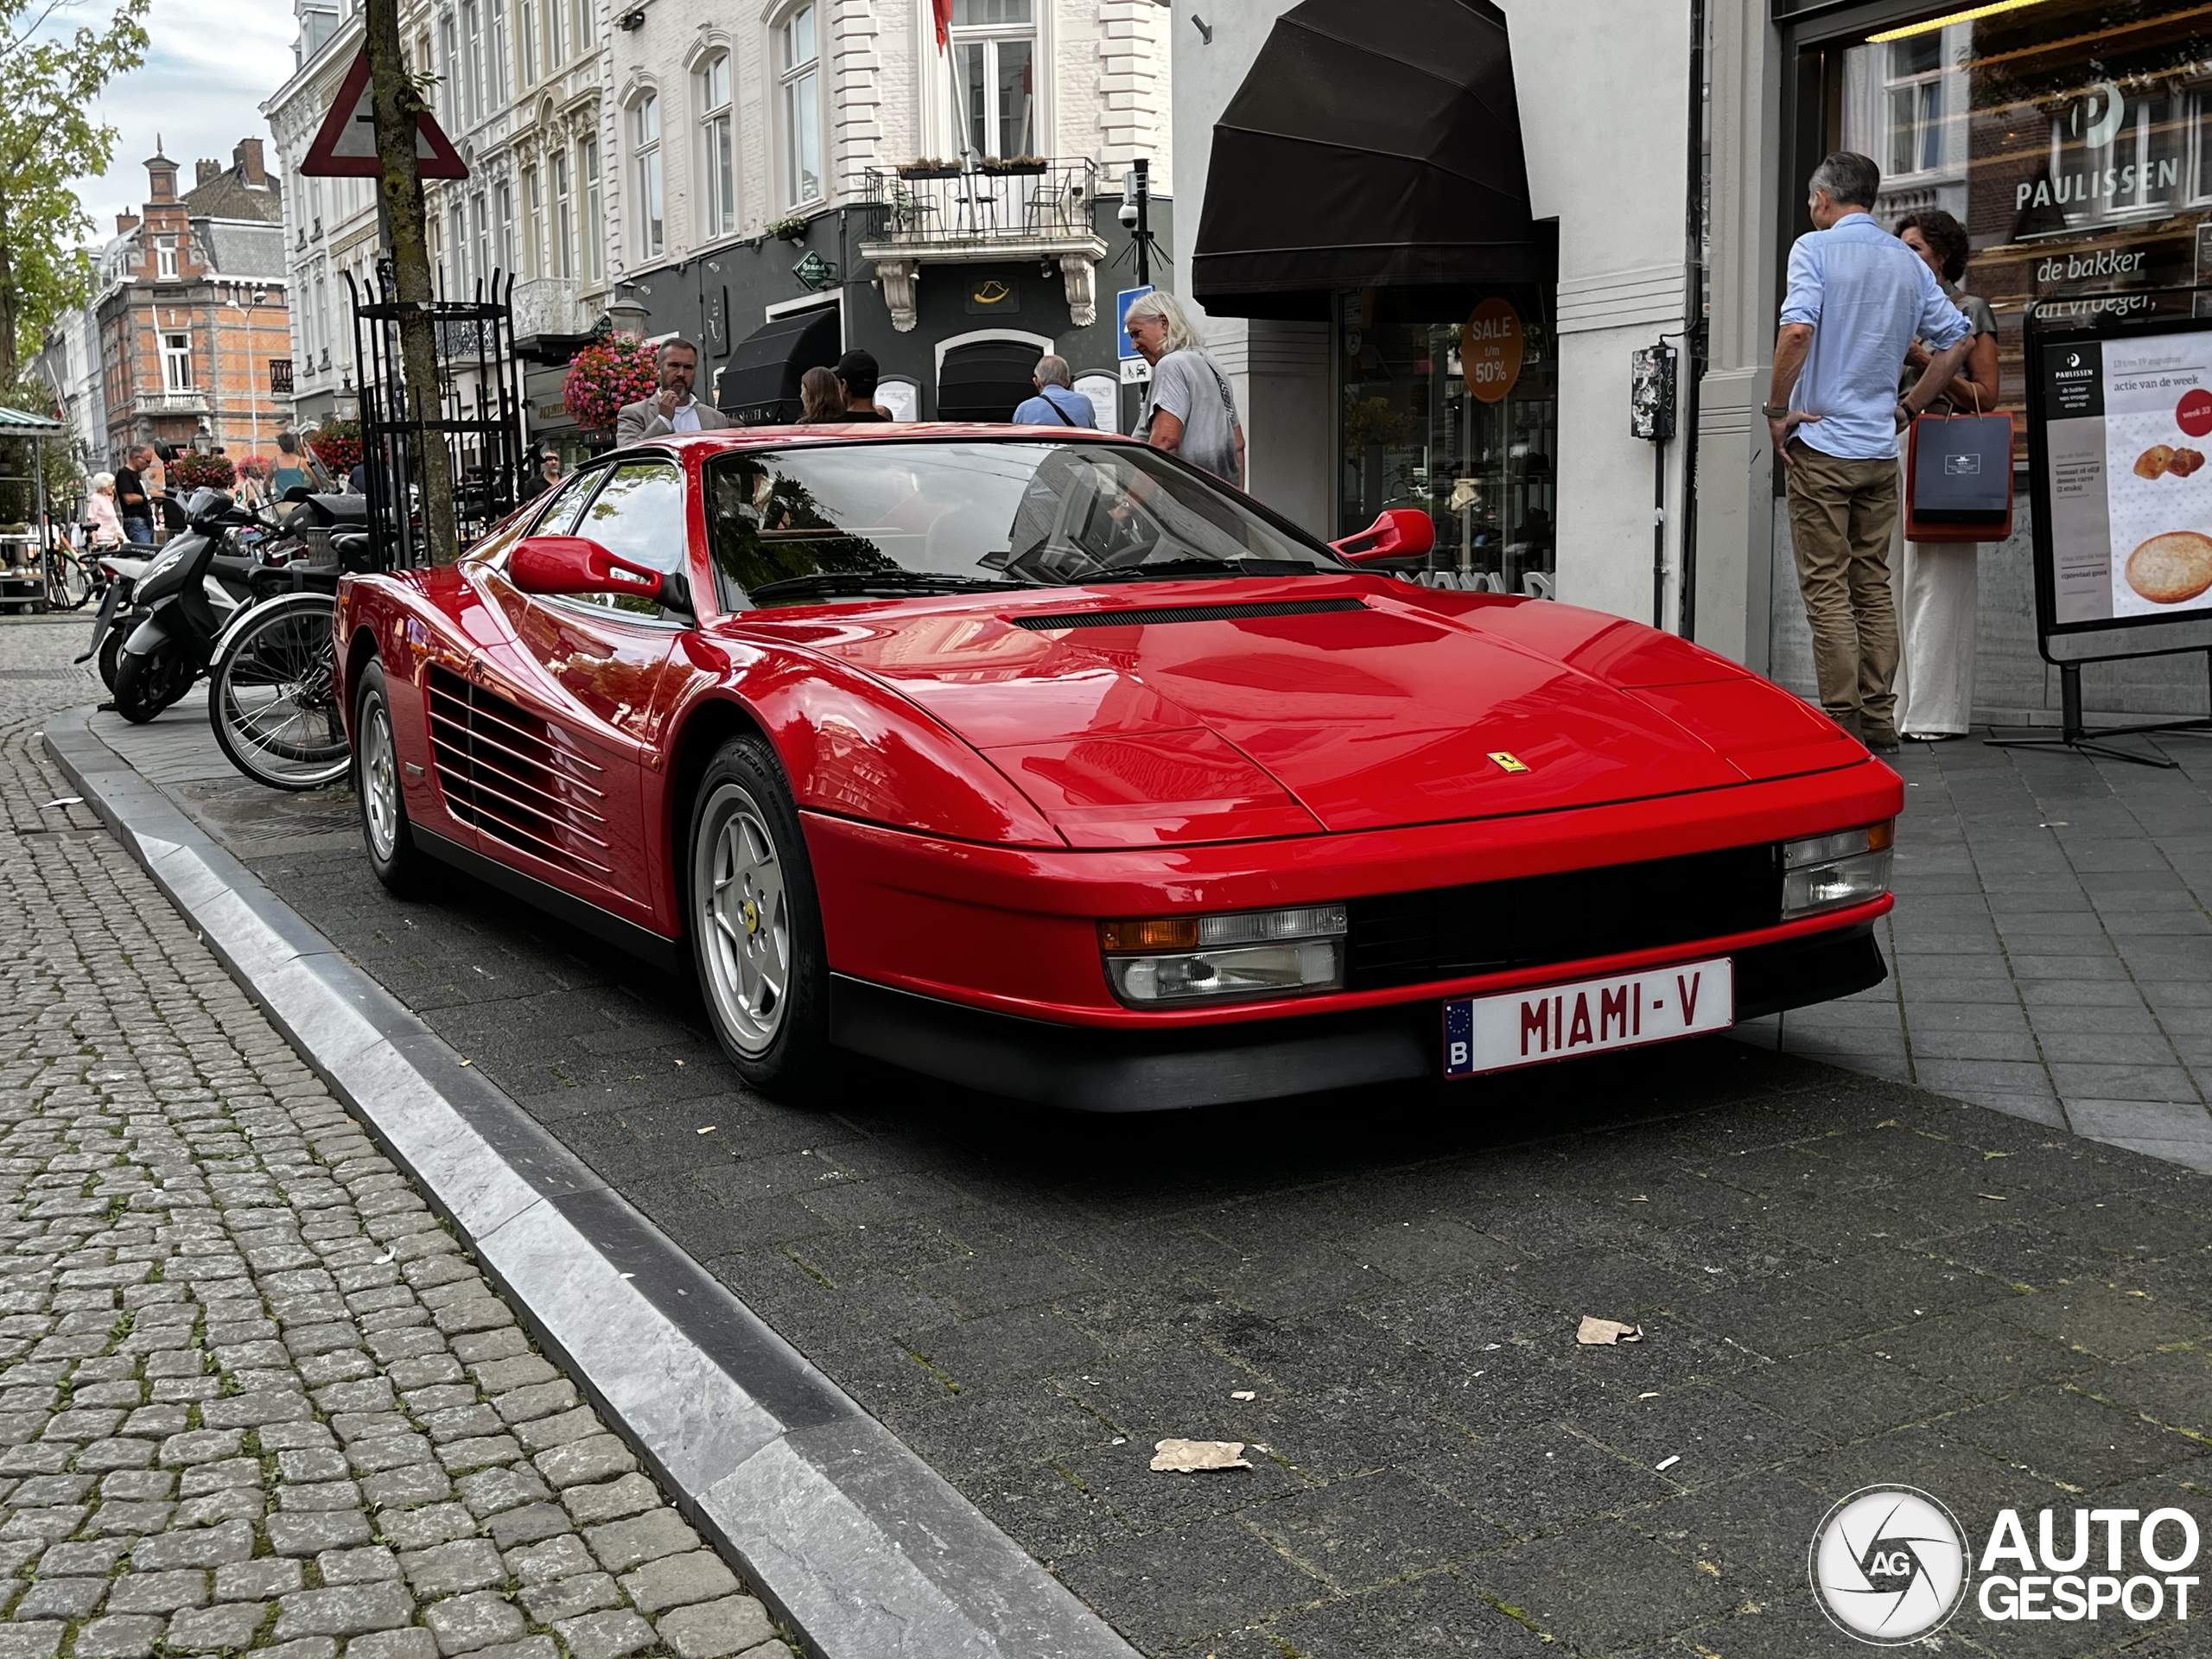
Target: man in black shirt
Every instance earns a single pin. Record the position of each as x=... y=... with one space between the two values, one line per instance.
x=858 y=373
x=133 y=500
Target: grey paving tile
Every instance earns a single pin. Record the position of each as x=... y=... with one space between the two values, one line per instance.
x=2123 y=1081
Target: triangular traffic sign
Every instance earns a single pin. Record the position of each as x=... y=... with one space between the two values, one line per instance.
x=345 y=148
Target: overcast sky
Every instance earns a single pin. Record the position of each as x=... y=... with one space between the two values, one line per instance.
x=211 y=64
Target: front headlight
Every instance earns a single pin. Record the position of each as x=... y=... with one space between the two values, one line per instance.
x=1252 y=953
x=1829 y=872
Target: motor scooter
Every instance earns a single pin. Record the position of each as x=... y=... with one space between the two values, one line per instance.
x=178 y=621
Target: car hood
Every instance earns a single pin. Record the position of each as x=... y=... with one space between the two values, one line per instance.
x=1216 y=711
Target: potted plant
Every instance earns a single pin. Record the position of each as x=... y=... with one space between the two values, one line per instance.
x=929 y=167
x=198 y=472
x=608 y=374
x=1013 y=165
x=790 y=228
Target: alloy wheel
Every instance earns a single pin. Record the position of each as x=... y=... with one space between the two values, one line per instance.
x=742 y=912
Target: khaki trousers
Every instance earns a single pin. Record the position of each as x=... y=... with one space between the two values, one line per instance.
x=1841 y=514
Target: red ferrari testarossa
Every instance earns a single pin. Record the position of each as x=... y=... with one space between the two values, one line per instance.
x=1046 y=764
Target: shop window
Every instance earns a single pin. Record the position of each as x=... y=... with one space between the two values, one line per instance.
x=800 y=66
x=995 y=75
x=1458 y=415
x=2071 y=138
x=717 y=148
x=645 y=148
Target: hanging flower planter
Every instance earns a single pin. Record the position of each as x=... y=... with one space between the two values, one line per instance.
x=194 y=472
x=1007 y=165
x=337 y=445
x=607 y=375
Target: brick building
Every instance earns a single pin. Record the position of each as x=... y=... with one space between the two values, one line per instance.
x=192 y=322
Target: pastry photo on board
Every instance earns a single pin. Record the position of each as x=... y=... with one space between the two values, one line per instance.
x=2170 y=568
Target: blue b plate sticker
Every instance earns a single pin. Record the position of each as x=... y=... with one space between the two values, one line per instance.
x=1554 y=1022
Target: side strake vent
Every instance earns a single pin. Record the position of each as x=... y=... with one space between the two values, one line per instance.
x=1161 y=615
x=515 y=778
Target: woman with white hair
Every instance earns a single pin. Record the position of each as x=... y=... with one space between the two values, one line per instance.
x=100 y=516
x=1189 y=408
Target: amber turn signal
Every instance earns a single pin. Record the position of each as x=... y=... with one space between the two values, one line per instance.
x=1164 y=933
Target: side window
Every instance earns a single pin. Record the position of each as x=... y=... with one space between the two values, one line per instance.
x=637 y=513
x=559 y=517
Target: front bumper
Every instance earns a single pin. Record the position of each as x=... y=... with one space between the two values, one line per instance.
x=1090 y=1069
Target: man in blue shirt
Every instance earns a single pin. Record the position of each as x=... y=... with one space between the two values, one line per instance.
x=1055 y=403
x=1858 y=298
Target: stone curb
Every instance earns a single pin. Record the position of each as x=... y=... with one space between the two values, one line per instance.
x=844 y=1531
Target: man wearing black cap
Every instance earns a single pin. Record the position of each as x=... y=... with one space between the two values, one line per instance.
x=858 y=372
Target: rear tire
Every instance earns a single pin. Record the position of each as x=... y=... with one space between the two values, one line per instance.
x=755 y=924
x=397 y=861
x=272 y=695
x=146 y=685
x=111 y=650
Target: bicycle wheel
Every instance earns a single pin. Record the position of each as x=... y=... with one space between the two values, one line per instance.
x=68 y=580
x=272 y=696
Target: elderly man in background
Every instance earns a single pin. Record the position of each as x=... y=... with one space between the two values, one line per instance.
x=672 y=408
x=1057 y=402
x=1858 y=297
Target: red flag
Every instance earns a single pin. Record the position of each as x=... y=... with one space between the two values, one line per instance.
x=944 y=9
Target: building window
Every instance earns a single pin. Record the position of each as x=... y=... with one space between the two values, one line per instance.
x=496 y=59
x=995 y=75
x=594 y=217
x=176 y=362
x=1916 y=103
x=456 y=252
x=557 y=45
x=504 y=200
x=449 y=70
x=527 y=42
x=165 y=258
x=564 y=230
x=471 y=63
x=799 y=58
x=533 y=224
x=645 y=145
x=582 y=16
x=480 y=266
x=718 y=154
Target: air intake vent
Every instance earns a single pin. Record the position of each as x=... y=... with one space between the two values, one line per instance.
x=516 y=778
x=1161 y=615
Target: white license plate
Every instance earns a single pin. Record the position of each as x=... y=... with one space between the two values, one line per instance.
x=1556 y=1023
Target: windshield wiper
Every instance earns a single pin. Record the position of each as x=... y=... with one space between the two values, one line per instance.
x=855 y=584
x=1169 y=568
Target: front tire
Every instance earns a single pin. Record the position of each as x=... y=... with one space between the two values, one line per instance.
x=397 y=861
x=146 y=685
x=755 y=924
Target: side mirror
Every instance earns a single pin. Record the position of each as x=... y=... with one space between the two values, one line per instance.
x=1400 y=533
x=576 y=564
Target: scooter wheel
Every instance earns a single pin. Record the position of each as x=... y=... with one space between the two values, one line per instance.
x=112 y=654
x=146 y=685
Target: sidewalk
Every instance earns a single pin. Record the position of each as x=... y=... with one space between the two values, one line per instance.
x=1843 y=1280
x=252 y=1394
x=2051 y=950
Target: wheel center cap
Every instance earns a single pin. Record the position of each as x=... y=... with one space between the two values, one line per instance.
x=751 y=916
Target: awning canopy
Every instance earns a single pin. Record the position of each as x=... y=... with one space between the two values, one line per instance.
x=987 y=380
x=20 y=424
x=760 y=386
x=1370 y=146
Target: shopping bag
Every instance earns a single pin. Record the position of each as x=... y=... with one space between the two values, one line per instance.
x=1959 y=479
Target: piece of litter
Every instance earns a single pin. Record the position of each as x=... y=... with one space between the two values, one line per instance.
x=1716 y=1269
x=2055 y=823
x=1669 y=1463
x=385 y=1260
x=1121 y=1439
x=468 y=1062
x=1994 y=1198
x=1639 y=1198
x=679 y=1061
x=709 y=1129
x=1887 y=1123
x=1987 y=1156
x=629 y=1275
x=1652 y=1393
x=1244 y=1393
x=1594 y=1333
x=66 y=800
x=1189 y=1457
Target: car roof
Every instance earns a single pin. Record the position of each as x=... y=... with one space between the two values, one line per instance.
x=786 y=437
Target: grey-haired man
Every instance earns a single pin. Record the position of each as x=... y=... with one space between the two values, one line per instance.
x=672 y=408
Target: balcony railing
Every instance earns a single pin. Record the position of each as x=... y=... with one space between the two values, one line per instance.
x=983 y=203
x=172 y=402
x=548 y=305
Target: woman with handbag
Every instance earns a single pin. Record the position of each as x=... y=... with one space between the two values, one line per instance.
x=1936 y=583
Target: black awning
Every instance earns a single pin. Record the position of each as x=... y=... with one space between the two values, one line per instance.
x=760 y=385
x=987 y=380
x=1370 y=146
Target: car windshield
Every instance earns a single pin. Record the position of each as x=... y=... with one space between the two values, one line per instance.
x=805 y=526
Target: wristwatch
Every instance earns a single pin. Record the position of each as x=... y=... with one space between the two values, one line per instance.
x=1774 y=411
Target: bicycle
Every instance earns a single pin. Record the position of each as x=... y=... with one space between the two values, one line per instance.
x=72 y=578
x=273 y=695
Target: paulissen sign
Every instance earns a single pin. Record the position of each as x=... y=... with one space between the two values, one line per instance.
x=2091 y=184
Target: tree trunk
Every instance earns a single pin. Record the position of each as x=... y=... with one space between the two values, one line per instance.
x=395 y=102
x=11 y=302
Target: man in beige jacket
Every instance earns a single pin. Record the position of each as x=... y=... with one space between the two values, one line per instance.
x=674 y=409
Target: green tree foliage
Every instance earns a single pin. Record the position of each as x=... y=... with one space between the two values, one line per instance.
x=49 y=76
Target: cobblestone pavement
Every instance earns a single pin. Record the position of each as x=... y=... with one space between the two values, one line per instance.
x=1843 y=1280
x=2052 y=948
x=252 y=1396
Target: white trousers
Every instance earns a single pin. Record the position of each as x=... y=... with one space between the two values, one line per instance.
x=1936 y=586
